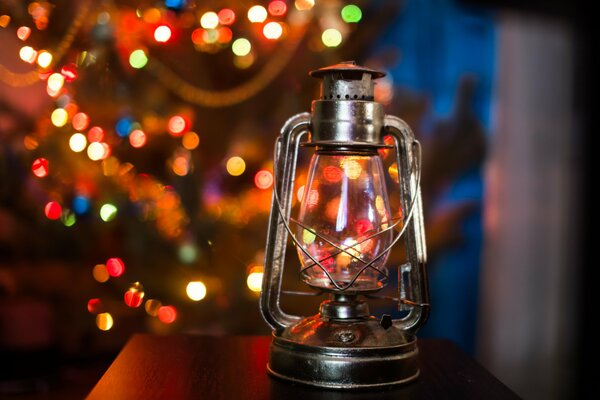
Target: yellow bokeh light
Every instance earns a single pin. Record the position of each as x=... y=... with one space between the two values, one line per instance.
x=95 y=151
x=4 y=20
x=152 y=306
x=55 y=82
x=196 y=290
x=255 y=278
x=100 y=273
x=257 y=14
x=28 y=54
x=393 y=171
x=77 y=142
x=303 y=5
x=209 y=20
x=190 y=140
x=104 y=321
x=352 y=168
x=236 y=166
x=331 y=37
x=59 y=117
x=44 y=59
x=241 y=47
x=273 y=30
x=162 y=34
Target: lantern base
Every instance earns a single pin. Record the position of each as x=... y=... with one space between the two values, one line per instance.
x=357 y=354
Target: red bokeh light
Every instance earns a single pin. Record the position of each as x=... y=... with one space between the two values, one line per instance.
x=115 y=266
x=277 y=8
x=80 y=121
x=263 y=179
x=363 y=226
x=226 y=16
x=95 y=306
x=133 y=298
x=69 y=71
x=95 y=134
x=53 y=210
x=40 y=167
x=177 y=125
x=137 y=138
x=167 y=314
x=332 y=174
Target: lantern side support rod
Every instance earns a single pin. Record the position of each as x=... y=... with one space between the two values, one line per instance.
x=286 y=152
x=412 y=294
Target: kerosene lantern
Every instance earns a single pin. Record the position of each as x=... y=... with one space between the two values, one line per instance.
x=343 y=233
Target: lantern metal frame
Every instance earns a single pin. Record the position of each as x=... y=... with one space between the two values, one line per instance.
x=350 y=349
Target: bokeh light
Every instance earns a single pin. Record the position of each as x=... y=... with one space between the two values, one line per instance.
x=134 y=296
x=209 y=20
x=177 y=125
x=55 y=82
x=95 y=134
x=28 y=54
x=96 y=151
x=77 y=142
x=187 y=252
x=69 y=71
x=137 y=138
x=257 y=14
x=273 y=30
x=241 y=47
x=300 y=192
x=351 y=13
x=95 y=306
x=80 y=121
x=4 y=20
x=115 y=267
x=190 y=140
x=255 y=278
x=53 y=210
x=138 y=59
x=303 y=5
x=108 y=212
x=263 y=179
x=123 y=126
x=236 y=166
x=23 y=32
x=332 y=174
x=40 y=167
x=104 y=321
x=331 y=37
x=226 y=16
x=44 y=59
x=224 y=35
x=81 y=204
x=181 y=166
x=277 y=8
x=68 y=218
x=152 y=306
x=352 y=168
x=243 y=62
x=100 y=273
x=167 y=314
x=162 y=33
x=196 y=290
x=59 y=117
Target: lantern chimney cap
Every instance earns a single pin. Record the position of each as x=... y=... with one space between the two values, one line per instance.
x=346 y=70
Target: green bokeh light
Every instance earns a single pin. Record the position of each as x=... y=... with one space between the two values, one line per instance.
x=108 y=212
x=351 y=13
x=138 y=59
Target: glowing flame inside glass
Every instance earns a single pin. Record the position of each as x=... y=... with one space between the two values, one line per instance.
x=345 y=206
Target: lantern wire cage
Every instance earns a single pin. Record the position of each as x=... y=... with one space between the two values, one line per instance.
x=405 y=220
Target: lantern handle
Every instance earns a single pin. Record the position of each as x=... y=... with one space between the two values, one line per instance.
x=286 y=156
x=413 y=292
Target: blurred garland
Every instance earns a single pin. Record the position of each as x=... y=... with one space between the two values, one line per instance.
x=23 y=79
x=173 y=82
x=228 y=97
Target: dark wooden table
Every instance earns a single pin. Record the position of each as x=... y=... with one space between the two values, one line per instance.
x=233 y=367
